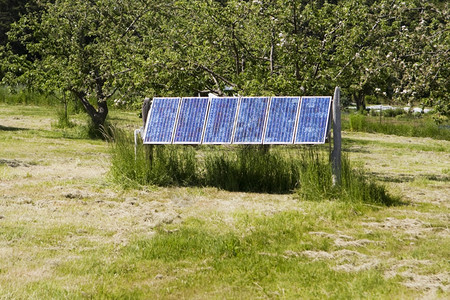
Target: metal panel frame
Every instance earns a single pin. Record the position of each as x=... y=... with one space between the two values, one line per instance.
x=150 y=114
x=232 y=125
x=295 y=120
x=178 y=119
x=326 y=125
x=264 y=124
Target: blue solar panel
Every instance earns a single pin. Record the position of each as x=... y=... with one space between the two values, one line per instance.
x=161 y=121
x=191 y=120
x=220 y=122
x=250 y=122
x=281 y=120
x=313 y=120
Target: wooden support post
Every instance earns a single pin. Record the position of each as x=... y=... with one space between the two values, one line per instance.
x=145 y=108
x=150 y=155
x=336 y=153
x=136 y=133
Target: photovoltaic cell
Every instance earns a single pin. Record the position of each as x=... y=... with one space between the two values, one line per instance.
x=313 y=120
x=220 y=121
x=191 y=120
x=251 y=120
x=161 y=121
x=281 y=120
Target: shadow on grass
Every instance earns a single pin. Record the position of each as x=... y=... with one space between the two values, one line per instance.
x=401 y=178
x=397 y=178
x=8 y=128
x=355 y=150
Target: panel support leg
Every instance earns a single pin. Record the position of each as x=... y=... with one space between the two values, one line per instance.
x=336 y=153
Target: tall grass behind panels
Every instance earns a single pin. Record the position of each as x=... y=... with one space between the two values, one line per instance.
x=316 y=182
x=163 y=165
x=305 y=171
x=315 y=176
x=357 y=187
x=253 y=169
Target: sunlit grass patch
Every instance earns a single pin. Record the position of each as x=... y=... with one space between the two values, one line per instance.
x=263 y=259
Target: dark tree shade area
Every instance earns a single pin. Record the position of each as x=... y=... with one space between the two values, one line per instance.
x=96 y=51
x=10 y=12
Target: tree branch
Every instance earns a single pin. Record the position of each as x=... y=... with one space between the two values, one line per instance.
x=216 y=75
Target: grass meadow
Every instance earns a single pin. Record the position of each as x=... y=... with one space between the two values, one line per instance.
x=76 y=222
x=398 y=122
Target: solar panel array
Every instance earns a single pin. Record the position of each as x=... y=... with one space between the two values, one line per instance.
x=244 y=120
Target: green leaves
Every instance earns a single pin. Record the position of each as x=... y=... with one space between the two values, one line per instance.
x=396 y=50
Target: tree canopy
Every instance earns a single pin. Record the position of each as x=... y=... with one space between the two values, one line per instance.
x=398 y=50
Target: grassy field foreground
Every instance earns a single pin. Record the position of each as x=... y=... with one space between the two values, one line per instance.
x=67 y=231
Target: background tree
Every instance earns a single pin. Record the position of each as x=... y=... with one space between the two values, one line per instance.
x=396 y=50
x=83 y=47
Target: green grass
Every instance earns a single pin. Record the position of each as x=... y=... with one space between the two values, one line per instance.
x=23 y=96
x=163 y=165
x=253 y=169
x=305 y=171
x=260 y=256
x=197 y=261
x=67 y=230
x=403 y=126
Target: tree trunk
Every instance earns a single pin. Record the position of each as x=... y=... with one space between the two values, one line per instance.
x=98 y=116
x=358 y=98
x=272 y=52
x=236 y=51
